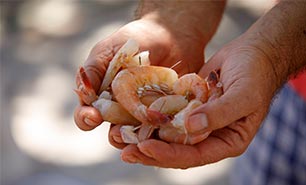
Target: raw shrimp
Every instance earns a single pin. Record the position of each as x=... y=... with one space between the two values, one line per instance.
x=148 y=97
x=160 y=112
x=214 y=85
x=132 y=83
x=192 y=86
x=176 y=131
x=124 y=58
x=128 y=134
x=169 y=113
x=113 y=112
x=84 y=89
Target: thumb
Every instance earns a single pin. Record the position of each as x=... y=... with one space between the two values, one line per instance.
x=97 y=62
x=233 y=105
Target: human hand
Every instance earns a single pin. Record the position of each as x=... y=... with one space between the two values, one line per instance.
x=253 y=67
x=167 y=46
x=232 y=119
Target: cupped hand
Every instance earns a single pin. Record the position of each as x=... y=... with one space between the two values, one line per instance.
x=248 y=80
x=167 y=46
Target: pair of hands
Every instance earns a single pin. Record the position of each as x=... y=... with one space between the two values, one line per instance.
x=233 y=119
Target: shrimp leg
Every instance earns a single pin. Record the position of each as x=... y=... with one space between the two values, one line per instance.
x=127 y=84
x=176 y=132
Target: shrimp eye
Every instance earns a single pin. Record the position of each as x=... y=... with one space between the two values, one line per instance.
x=213 y=76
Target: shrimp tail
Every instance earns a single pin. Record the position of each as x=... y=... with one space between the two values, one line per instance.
x=145 y=132
x=157 y=118
x=113 y=112
x=128 y=135
x=84 y=89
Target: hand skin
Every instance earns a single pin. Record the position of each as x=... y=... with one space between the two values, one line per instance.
x=253 y=68
x=168 y=38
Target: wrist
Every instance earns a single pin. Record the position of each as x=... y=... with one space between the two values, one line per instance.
x=280 y=36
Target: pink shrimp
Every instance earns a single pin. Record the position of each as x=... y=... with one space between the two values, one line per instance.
x=127 y=56
x=132 y=83
x=148 y=97
x=192 y=86
x=176 y=132
x=167 y=113
x=84 y=89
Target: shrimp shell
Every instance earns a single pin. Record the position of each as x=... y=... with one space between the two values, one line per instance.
x=128 y=81
x=84 y=90
x=113 y=112
x=192 y=86
x=180 y=118
x=176 y=131
x=129 y=49
x=165 y=107
x=141 y=59
x=128 y=135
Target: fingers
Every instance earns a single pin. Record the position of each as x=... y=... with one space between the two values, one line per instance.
x=238 y=101
x=114 y=137
x=131 y=154
x=158 y=153
x=223 y=143
x=97 y=62
x=171 y=135
x=87 y=118
x=230 y=141
x=155 y=152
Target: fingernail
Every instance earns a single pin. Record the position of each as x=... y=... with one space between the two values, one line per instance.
x=130 y=159
x=144 y=150
x=198 y=138
x=197 y=122
x=90 y=122
x=118 y=139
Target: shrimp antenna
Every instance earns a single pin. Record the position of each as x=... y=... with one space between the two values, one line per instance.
x=176 y=64
x=162 y=106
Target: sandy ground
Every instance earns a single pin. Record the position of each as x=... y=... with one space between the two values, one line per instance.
x=42 y=44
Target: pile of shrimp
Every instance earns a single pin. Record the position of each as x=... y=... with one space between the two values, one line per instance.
x=147 y=99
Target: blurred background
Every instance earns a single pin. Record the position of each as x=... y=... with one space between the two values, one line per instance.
x=42 y=44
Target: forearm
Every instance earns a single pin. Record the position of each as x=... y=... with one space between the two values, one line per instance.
x=183 y=18
x=281 y=35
